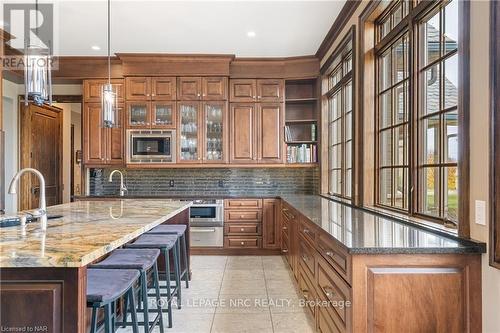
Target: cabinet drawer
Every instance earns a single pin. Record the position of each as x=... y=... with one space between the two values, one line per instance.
x=242 y=216
x=336 y=256
x=242 y=203
x=307 y=290
x=308 y=232
x=235 y=242
x=326 y=323
x=251 y=229
x=307 y=256
x=333 y=288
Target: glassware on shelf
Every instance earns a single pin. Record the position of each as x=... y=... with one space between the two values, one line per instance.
x=138 y=115
x=213 y=130
x=163 y=115
x=189 y=132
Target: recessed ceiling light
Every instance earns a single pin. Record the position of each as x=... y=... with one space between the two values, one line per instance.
x=251 y=34
x=95 y=48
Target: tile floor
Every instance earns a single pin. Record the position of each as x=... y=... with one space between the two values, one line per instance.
x=241 y=294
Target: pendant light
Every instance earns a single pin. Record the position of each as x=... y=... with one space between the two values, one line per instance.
x=109 y=95
x=37 y=71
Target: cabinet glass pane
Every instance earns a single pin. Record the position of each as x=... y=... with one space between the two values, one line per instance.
x=189 y=132
x=163 y=114
x=138 y=114
x=213 y=130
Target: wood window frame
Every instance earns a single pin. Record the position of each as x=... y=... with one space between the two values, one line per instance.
x=494 y=135
x=349 y=77
x=367 y=19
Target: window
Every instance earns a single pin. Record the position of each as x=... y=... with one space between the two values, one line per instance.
x=418 y=109
x=339 y=94
x=438 y=114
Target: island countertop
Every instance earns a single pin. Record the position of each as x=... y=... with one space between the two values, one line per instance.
x=86 y=231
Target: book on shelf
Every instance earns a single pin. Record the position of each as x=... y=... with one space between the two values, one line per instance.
x=305 y=153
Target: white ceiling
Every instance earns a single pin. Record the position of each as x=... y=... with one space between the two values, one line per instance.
x=282 y=28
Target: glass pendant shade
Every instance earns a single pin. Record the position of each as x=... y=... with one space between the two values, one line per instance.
x=110 y=117
x=37 y=75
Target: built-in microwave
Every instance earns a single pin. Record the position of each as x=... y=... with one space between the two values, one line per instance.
x=150 y=146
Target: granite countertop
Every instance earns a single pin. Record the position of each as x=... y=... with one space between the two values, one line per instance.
x=87 y=231
x=361 y=232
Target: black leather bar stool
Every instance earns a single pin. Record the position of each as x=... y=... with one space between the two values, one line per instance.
x=145 y=261
x=165 y=243
x=104 y=288
x=179 y=230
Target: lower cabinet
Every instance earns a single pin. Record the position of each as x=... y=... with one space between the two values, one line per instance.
x=380 y=292
x=243 y=223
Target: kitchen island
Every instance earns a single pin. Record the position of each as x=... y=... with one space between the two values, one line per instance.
x=43 y=274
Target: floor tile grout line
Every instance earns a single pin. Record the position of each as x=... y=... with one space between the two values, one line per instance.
x=218 y=295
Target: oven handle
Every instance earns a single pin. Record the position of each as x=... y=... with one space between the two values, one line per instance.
x=202 y=230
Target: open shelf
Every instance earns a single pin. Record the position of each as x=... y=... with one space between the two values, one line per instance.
x=301 y=100
x=300 y=142
x=300 y=89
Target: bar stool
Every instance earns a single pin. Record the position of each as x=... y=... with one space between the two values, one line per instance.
x=104 y=288
x=179 y=230
x=165 y=243
x=145 y=261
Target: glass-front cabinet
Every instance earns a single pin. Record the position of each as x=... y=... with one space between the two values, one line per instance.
x=214 y=115
x=202 y=132
x=189 y=132
x=163 y=114
x=146 y=115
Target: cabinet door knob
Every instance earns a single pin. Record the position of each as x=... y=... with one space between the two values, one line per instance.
x=242 y=243
x=242 y=229
x=253 y=97
x=258 y=97
x=284 y=251
x=152 y=94
x=285 y=228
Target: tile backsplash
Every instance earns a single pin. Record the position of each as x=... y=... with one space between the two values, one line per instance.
x=208 y=182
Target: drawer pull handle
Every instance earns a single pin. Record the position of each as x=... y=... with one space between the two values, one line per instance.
x=284 y=251
x=242 y=229
x=242 y=243
x=306 y=231
x=306 y=296
x=305 y=258
x=330 y=254
x=241 y=216
x=285 y=228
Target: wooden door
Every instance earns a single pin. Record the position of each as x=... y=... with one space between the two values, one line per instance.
x=270 y=90
x=270 y=133
x=41 y=149
x=92 y=90
x=115 y=144
x=243 y=138
x=189 y=88
x=94 y=150
x=163 y=88
x=271 y=235
x=138 y=88
x=243 y=90
x=214 y=88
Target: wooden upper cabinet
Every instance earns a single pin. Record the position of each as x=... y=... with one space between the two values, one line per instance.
x=138 y=88
x=94 y=149
x=101 y=146
x=189 y=88
x=163 y=88
x=242 y=133
x=214 y=88
x=270 y=133
x=243 y=90
x=270 y=90
x=92 y=90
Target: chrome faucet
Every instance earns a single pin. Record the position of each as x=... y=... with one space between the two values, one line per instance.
x=123 y=189
x=41 y=212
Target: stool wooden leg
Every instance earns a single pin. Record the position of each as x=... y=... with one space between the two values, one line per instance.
x=93 y=325
x=156 y=280
x=184 y=255
x=144 y=290
x=135 y=327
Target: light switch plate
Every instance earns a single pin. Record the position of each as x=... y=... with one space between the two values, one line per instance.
x=481 y=212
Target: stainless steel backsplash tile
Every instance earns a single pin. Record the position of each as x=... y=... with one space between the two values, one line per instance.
x=206 y=182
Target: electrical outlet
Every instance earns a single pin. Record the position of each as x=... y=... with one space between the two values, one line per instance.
x=172 y=183
x=480 y=212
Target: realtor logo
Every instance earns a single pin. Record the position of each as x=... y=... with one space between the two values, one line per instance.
x=29 y=25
